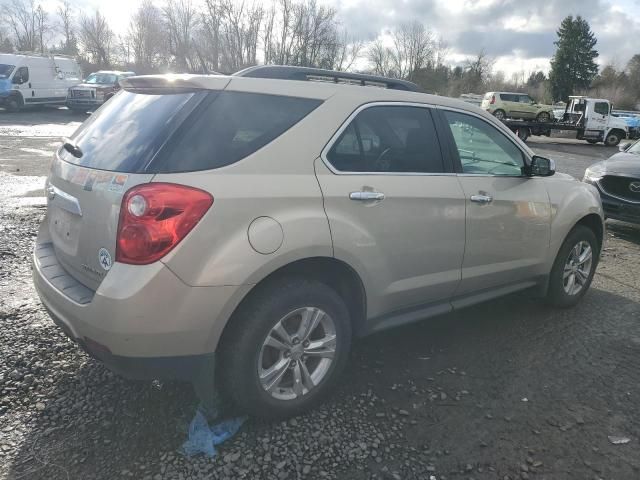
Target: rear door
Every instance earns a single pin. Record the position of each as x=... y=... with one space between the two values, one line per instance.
x=508 y=214
x=510 y=104
x=526 y=107
x=395 y=209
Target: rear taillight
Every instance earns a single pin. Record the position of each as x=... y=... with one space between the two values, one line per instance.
x=155 y=217
x=493 y=100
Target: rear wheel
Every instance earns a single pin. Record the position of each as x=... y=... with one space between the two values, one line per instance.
x=500 y=114
x=574 y=267
x=613 y=139
x=285 y=348
x=543 y=117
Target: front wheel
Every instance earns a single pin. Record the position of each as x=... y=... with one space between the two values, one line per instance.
x=592 y=141
x=613 y=139
x=574 y=267
x=14 y=104
x=285 y=348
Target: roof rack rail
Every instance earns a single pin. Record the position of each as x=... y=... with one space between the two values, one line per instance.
x=44 y=55
x=284 y=72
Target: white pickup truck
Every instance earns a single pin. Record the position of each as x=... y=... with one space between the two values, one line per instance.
x=590 y=118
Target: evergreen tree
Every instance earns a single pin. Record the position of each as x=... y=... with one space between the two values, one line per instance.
x=573 y=67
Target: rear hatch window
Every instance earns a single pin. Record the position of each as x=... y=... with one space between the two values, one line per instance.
x=182 y=132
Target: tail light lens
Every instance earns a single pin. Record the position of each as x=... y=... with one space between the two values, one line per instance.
x=155 y=217
x=493 y=100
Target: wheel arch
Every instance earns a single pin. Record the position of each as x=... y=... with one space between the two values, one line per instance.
x=593 y=222
x=332 y=272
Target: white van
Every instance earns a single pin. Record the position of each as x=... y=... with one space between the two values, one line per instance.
x=36 y=79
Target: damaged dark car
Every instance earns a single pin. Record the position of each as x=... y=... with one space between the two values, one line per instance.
x=618 y=181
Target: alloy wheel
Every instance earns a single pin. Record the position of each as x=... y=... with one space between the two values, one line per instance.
x=297 y=353
x=577 y=268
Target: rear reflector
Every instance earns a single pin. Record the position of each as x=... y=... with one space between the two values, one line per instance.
x=155 y=217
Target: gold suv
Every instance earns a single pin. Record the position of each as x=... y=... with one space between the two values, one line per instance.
x=252 y=227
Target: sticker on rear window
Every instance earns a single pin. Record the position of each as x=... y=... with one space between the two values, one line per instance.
x=117 y=184
x=104 y=258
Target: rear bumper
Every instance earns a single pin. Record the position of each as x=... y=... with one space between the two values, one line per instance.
x=142 y=321
x=185 y=367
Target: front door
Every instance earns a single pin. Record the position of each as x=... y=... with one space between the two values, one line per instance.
x=508 y=214
x=395 y=209
x=597 y=115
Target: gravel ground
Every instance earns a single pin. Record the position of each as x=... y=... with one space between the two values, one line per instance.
x=508 y=389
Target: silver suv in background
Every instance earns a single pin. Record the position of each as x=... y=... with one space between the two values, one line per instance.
x=264 y=223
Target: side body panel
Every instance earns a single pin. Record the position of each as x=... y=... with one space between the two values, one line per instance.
x=571 y=201
x=407 y=248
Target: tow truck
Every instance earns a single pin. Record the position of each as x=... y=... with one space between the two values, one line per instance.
x=590 y=118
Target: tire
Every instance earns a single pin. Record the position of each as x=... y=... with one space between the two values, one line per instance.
x=592 y=142
x=543 y=117
x=523 y=134
x=14 y=104
x=243 y=350
x=558 y=294
x=500 y=114
x=613 y=139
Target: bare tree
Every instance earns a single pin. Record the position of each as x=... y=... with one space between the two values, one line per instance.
x=381 y=59
x=146 y=38
x=96 y=39
x=345 y=51
x=412 y=48
x=20 y=16
x=477 y=71
x=182 y=21
x=42 y=27
x=67 y=28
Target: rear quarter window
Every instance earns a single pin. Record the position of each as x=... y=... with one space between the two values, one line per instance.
x=229 y=127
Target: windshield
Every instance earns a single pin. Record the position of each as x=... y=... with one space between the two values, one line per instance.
x=635 y=148
x=102 y=78
x=5 y=70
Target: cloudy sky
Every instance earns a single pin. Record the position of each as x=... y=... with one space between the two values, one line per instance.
x=518 y=34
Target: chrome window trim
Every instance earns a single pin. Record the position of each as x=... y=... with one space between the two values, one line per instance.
x=334 y=138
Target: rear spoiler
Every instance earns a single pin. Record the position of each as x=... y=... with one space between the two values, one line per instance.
x=172 y=83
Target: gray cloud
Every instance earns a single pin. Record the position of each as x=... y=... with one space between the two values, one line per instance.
x=475 y=27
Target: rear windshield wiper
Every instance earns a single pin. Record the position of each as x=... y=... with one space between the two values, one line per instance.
x=71 y=147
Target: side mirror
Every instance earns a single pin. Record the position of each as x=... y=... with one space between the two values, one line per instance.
x=542 y=167
x=17 y=79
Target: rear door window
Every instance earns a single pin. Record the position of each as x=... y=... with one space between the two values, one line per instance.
x=391 y=139
x=228 y=128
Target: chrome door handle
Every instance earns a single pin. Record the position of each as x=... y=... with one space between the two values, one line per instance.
x=481 y=198
x=366 y=195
